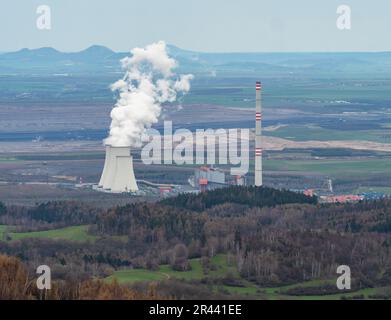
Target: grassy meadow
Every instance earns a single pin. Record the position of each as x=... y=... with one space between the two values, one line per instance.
x=221 y=268
x=73 y=233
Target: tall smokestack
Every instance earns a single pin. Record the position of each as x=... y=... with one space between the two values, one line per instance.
x=258 y=135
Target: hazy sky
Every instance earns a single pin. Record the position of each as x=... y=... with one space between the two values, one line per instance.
x=203 y=25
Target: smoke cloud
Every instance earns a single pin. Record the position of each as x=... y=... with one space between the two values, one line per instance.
x=148 y=82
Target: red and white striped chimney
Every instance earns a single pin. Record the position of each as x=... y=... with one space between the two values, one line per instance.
x=258 y=135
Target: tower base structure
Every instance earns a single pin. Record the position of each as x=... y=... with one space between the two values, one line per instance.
x=118 y=175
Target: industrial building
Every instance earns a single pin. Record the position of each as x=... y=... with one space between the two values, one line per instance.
x=209 y=178
x=118 y=175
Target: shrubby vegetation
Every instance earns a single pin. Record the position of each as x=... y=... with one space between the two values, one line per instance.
x=15 y=284
x=312 y=290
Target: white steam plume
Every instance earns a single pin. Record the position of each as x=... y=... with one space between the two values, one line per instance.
x=149 y=81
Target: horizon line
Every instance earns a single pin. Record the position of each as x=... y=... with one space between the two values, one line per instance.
x=195 y=51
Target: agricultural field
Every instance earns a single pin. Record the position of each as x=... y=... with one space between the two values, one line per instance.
x=315 y=132
x=237 y=92
x=385 y=190
x=8 y=159
x=74 y=233
x=331 y=167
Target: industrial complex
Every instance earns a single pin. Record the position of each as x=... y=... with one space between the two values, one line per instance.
x=118 y=173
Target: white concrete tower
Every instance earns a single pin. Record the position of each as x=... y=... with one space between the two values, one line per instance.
x=105 y=168
x=258 y=135
x=118 y=175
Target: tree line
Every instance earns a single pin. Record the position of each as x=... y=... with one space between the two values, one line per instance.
x=274 y=244
x=250 y=196
x=17 y=284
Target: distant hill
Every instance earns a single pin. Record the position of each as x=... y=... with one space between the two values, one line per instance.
x=102 y=60
x=249 y=196
x=95 y=59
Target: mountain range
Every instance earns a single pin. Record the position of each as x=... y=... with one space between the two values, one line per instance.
x=104 y=61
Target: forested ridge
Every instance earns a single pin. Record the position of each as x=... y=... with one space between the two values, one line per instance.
x=271 y=244
x=250 y=196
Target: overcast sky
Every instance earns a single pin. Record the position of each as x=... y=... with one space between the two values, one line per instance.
x=202 y=25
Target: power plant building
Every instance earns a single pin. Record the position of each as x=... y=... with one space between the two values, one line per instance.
x=209 y=178
x=118 y=175
x=210 y=174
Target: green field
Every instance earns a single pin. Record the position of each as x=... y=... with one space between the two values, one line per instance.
x=8 y=159
x=385 y=190
x=60 y=156
x=222 y=269
x=220 y=265
x=74 y=233
x=3 y=229
x=313 y=93
x=334 y=168
x=306 y=133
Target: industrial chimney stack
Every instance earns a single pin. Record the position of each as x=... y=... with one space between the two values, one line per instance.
x=258 y=135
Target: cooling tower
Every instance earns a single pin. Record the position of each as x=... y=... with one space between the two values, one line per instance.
x=118 y=175
x=105 y=168
x=258 y=135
